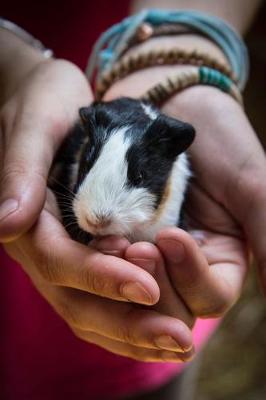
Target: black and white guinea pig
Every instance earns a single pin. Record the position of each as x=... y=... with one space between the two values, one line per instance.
x=122 y=171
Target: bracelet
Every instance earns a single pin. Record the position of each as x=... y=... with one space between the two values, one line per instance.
x=146 y=31
x=112 y=43
x=129 y=64
x=26 y=37
x=193 y=76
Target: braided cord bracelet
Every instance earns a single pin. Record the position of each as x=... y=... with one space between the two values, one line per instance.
x=193 y=76
x=174 y=56
x=112 y=43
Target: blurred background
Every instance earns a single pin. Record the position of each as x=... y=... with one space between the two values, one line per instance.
x=233 y=365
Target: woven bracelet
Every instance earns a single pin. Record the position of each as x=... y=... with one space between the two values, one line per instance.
x=113 y=42
x=161 y=92
x=174 y=56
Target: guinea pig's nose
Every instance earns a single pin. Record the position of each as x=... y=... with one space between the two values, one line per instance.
x=101 y=221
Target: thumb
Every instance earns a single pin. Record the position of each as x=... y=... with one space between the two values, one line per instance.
x=28 y=154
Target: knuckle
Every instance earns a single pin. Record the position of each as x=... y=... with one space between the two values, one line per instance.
x=11 y=171
x=48 y=267
x=125 y=335
x=94 y=282
x=47 y=271
x=67 y=312
x=130 y=331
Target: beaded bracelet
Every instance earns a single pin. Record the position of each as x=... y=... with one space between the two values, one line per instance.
x=193 y=76
x=146 y=31
x=129 y=64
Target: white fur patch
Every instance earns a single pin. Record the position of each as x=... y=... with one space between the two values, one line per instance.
x=172 y=207
x=149 y=111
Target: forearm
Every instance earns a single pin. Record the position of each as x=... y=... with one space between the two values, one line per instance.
x=17 y=59
x=239 y=13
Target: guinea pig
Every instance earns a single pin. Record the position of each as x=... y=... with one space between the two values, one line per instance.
x=122 y=171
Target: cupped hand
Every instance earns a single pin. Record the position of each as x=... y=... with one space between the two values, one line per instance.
x=94 y=291
x=91 y=291
x=227 y=198
x=224 y=155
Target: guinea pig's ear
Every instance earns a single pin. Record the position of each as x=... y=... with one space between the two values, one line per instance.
x=87 y=117
x=169 y=136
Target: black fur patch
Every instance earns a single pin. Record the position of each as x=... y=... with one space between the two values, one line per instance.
x=151 y=156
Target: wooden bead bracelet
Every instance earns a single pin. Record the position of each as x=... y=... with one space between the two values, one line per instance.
x=193 y=76
x=174 y=56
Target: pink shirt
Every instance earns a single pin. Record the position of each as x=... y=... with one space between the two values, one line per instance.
x=40 y=358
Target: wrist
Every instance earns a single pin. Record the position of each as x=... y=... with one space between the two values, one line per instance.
x=186 y=42
x=139 y=82
x=17 y=59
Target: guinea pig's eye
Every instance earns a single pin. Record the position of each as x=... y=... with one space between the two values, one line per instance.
x=138 y=178
x=90 y=152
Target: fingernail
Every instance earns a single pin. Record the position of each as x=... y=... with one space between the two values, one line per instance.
x=134 y=291
x=177 y=357
x=168 y=343
x=109 y=244
x=174 y=250
x=8 y=207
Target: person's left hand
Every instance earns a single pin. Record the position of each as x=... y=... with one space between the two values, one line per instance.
x=207 y=272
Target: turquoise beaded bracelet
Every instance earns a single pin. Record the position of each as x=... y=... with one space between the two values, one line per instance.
x=190 y=77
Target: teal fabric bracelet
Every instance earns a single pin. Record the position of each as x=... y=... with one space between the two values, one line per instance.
x=112 y=42
x=162 y=91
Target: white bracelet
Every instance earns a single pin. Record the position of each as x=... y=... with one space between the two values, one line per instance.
x=26 y=37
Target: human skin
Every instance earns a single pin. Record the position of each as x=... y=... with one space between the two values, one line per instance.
x=58 y=272
x=29 y=140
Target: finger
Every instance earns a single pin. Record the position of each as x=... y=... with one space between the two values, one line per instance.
x=134 y=352
x=62 y=261
x=122 y=322
x=208 y=279
x=170 y=302
x=111 y=245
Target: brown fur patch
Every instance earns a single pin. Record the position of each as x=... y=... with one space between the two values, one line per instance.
x=164 y=199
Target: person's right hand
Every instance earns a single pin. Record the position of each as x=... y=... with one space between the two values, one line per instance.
x=90 y=290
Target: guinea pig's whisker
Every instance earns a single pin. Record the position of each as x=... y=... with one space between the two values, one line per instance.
x=70 y=224
x=68 y=213
x=63 y=186
x=64 y=195
x=64 y=199
x=65 y=206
